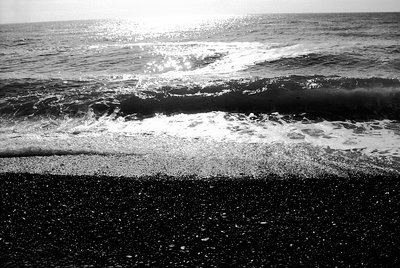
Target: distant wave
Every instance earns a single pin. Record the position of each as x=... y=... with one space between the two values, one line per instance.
x=337 y=61
x=319 y=59
x=316 y=96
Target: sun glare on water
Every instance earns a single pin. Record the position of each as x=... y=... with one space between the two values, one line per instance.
x=140 y=28
x=177 y=23
x=168 y=43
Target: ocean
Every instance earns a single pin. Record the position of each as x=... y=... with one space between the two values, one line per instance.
x=278 y=87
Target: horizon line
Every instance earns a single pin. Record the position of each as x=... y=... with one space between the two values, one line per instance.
x=199 y=15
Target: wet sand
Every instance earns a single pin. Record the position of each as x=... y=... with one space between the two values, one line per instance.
x=186 y=221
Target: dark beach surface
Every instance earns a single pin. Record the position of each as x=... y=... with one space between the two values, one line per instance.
x=170 y=221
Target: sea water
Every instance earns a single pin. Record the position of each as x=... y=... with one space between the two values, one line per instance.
x=325 y=81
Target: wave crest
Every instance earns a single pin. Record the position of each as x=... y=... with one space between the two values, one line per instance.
x=329 y=98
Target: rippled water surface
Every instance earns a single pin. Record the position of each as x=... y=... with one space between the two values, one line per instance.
x=324 y=80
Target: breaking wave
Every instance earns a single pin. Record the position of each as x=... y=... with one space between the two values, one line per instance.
x=332 y=98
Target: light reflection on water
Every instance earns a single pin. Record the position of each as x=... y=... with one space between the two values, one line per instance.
x=177 y=28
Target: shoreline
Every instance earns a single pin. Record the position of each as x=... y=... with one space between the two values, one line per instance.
x=61 y=220
x=202 y=158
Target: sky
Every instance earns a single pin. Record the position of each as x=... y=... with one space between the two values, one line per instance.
x=12 y=11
